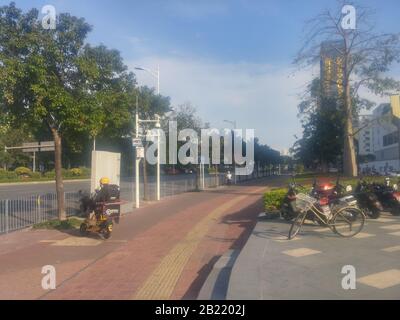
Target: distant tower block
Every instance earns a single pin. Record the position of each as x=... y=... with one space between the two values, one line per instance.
x=332 y=68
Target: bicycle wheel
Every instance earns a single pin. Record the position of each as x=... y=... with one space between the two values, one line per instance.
x=348 y=221
x=296 y=225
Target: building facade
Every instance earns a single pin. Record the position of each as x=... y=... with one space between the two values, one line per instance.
x=332 y=68
x=378 y=141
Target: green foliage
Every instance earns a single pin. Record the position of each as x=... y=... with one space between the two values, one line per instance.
x=53 y=79
x=23 y=172
x=86 y=172
x=323 y=129
x=75 y=172
x=50 y=174
x=299 y=168
x=7 y=175
x=35 y=175
x=273 y=199
x=71 y=223
x=367 y=55
x=80 y=172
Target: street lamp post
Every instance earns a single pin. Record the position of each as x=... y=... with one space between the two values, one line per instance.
x=233 y=123
x=157 y=125
x=154 y=73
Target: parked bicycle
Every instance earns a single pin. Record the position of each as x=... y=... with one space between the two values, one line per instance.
x=344 y=220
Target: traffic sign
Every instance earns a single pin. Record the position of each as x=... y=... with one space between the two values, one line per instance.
x=30 y=147
x=47 y=146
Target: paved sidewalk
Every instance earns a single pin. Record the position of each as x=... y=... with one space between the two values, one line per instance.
x=309 y=267
x=162 y=251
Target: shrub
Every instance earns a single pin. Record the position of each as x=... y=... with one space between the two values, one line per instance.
x=75 y=172
x=85 y=171
x=7 y=175
x=273 y=199
x=50 y=174
x=23 y=172
x=36 y=175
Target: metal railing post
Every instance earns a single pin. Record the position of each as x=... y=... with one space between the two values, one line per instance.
x=6 y=204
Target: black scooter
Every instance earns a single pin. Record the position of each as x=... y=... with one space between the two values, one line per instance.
x=288 y=205
x=367 y=199
x=388 y=196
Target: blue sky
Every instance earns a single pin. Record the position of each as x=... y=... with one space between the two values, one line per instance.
x=231 y=59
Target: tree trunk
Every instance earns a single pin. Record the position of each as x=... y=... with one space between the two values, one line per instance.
x=59 y=180
x=349 y=154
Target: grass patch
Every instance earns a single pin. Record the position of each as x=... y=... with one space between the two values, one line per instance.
x=70 y=223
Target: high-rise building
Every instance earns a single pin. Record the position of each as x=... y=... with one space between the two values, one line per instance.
x=379 y=139
x=332 y=68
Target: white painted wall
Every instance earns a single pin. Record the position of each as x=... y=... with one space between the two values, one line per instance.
x=105 y=164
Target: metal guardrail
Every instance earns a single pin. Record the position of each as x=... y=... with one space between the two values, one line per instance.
x=25 y=211
x=22 y=212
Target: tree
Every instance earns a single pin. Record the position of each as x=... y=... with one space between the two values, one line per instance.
x=186 y=117
x=51 y=78
x=11 y=137
x=365 y=55
x=322 y=121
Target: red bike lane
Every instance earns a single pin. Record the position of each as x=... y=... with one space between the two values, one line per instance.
x=163 y=250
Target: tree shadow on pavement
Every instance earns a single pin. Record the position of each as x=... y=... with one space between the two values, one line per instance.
x=245 y=219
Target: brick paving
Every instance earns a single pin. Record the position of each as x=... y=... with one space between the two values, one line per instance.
x=118 y=268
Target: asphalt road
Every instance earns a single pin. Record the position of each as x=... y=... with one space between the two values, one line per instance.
x=13 y=191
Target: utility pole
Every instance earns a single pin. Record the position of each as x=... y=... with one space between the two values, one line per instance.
x=34 y=162
x=5 y=163
x=158 y=157
x=137 y=159
x=137 y=127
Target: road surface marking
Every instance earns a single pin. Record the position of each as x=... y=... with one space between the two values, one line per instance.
x=382 y=280
x=363 y=235
x=301 y=252
x=161 y=283
x=392 y=249
x=395 y=233
x=392 y=227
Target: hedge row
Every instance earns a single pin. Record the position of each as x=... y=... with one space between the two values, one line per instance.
x=273 y=198
x=27 y=174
